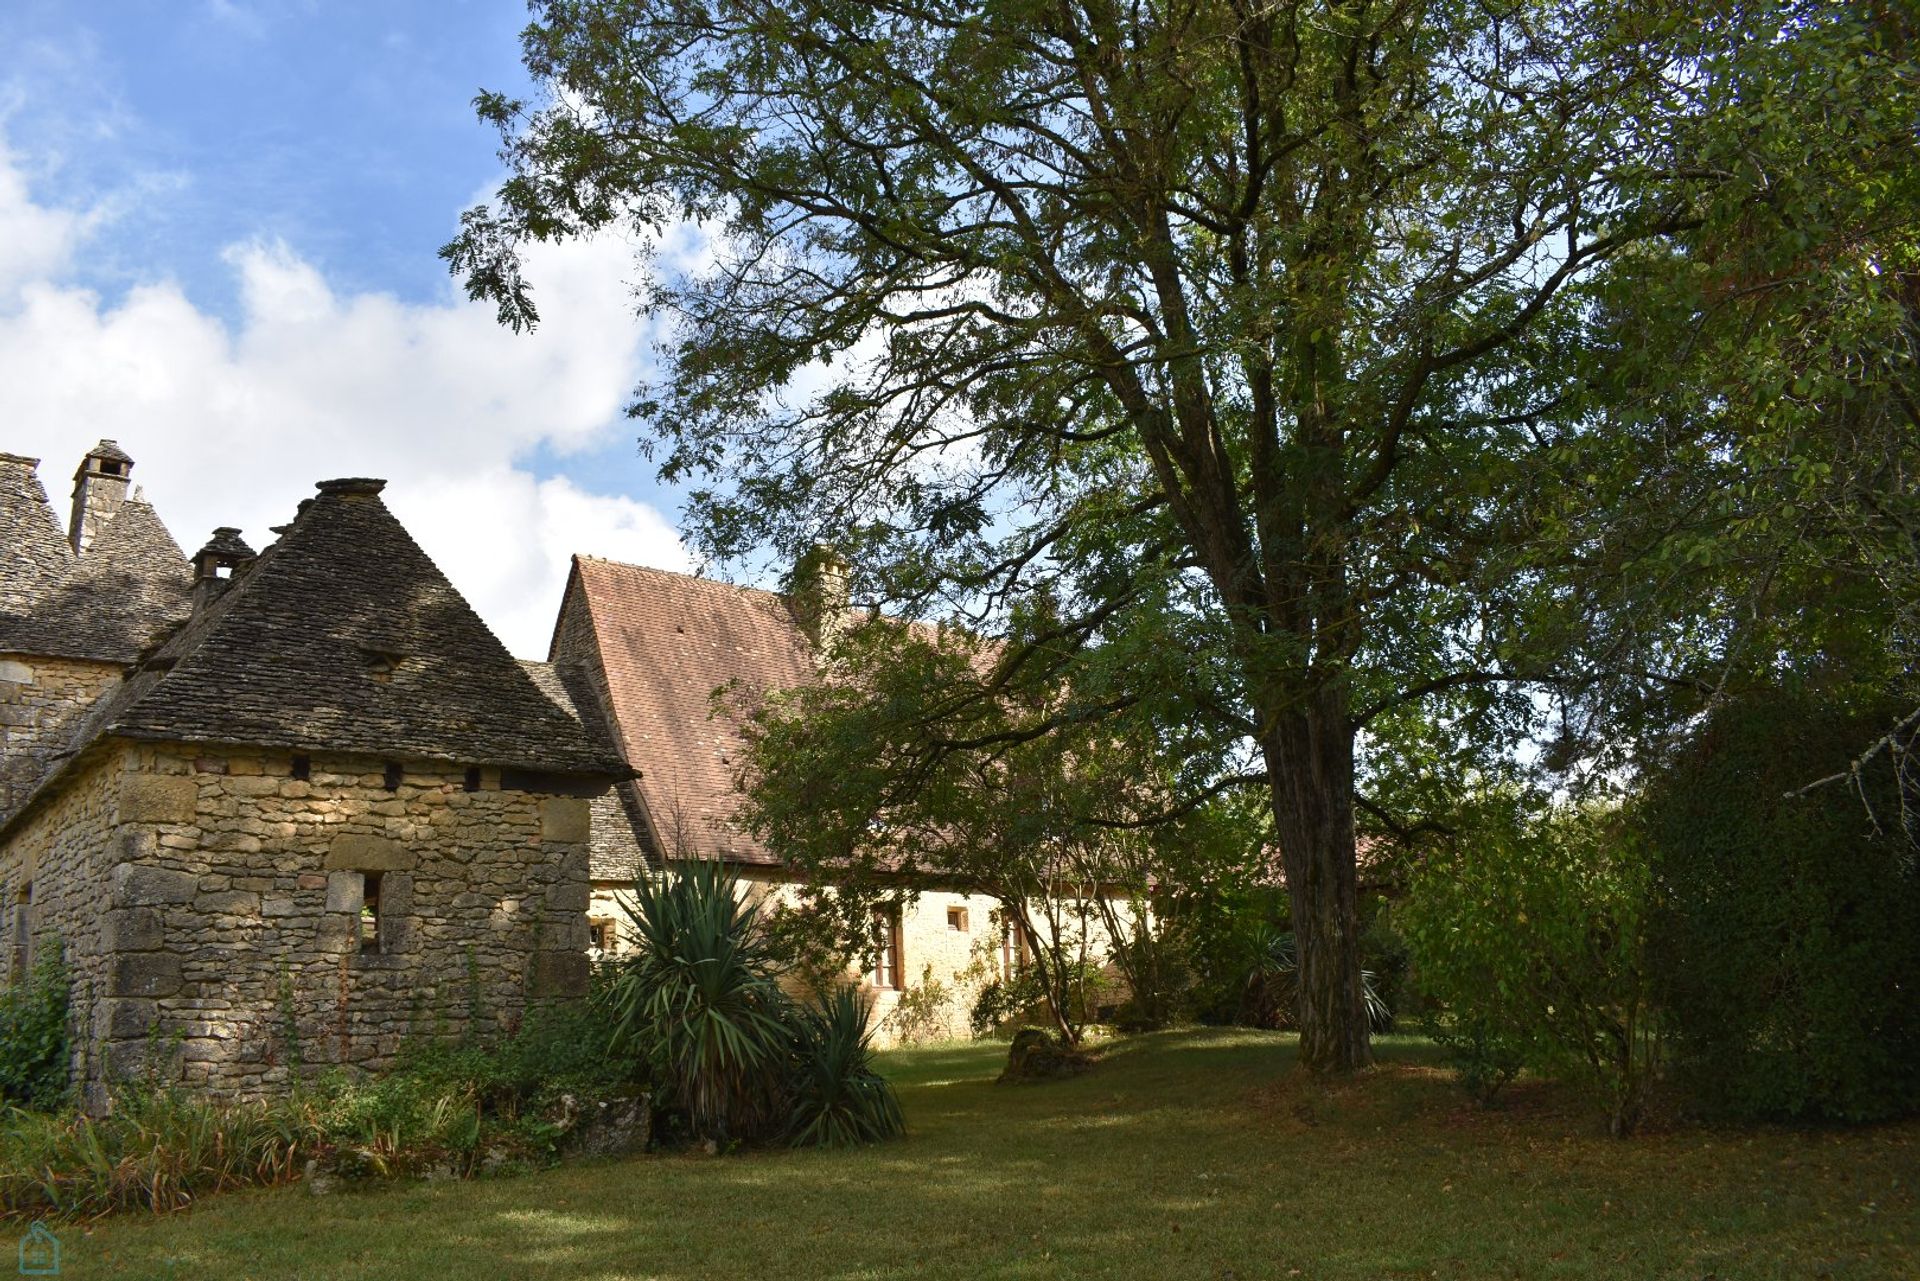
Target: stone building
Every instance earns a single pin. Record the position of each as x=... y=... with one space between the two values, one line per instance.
x=643 y=651
x=280 y=810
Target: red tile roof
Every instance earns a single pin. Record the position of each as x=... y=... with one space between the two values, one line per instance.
x=667 y=642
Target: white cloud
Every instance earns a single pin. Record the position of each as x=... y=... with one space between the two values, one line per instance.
x=35 y=241
x=230 y=424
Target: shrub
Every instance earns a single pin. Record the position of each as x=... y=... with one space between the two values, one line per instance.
x=157 y=1150
x=1271 y=988
x=697 y=998
x=1529 y=931
x=34 y=1051
x=730 y=1051
x=1787 y=933
x=838 y=1100
x=1002 y=1003
x=919 y=1015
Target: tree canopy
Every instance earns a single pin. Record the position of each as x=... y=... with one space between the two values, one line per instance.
x=1320 y=333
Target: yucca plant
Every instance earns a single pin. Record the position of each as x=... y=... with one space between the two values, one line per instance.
x=1273 y=985
x=838 y=1099
x=698 y=999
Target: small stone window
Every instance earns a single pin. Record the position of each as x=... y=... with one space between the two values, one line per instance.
x=302 y=766
x=370 y=912
x=957 y=919
x=22 y=932
x=391 y=780
x=472 y=783
x=600 y=935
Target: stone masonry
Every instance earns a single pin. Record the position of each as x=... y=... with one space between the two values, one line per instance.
x=230 y=951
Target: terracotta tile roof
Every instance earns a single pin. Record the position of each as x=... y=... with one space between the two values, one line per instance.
x=132 y=585
x=668 y=642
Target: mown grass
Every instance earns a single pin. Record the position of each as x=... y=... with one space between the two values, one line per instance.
x=1187 y=1154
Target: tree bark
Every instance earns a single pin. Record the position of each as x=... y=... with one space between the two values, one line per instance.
x=1309 y=753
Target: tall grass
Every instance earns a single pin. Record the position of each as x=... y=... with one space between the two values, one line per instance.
x=157 y=1150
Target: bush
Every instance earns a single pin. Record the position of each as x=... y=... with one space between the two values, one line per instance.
x=34 y=1052
x=697 y=998
x=457 y=1109
x=1528 y=930
x=1787 y=932
x=158 y=1150
x=920 y=1013
x=838 y=1099
x=1003 y=1003
x=1271 y=989
x=737 y=1058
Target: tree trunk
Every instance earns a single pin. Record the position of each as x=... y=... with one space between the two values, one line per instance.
x=1309 y=753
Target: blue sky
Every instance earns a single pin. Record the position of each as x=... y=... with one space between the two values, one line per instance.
x=343 y=129
x=218 y=221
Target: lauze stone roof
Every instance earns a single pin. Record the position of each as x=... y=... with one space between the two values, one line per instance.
x=130 y=587
x=344 y=636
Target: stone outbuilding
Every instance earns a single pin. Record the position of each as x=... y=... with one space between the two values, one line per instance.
x=318 y=810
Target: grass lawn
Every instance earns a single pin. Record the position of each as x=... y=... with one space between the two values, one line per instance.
x=1187 y=1154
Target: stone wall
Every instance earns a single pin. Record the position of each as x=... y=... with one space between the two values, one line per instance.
x=39 y=699
x=225 y=909
x=59 y=859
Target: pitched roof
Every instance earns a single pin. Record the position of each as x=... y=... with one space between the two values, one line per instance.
x=668 y=642
x=344 y=636
x=33 y=551
x=132 y=585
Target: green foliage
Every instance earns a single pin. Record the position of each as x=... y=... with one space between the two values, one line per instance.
x=1529 y=930
x=1787 y=936
x=1262 y=327
x=838 y=1100
x=919 y=1014
x=731 y=1052
x=1271 y=988
x=697 y=997
x=157 y=1150
x=34 y=1054
x=1003 y=1003
x=456 y=1109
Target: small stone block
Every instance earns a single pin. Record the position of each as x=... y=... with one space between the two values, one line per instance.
x=137 y=886
x=564 y=818
x=158 y=798
x=368 y=854
x=146 y=974
x=134 y=929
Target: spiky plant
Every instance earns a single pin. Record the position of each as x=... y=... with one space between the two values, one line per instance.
x=838 y=1100
x=698 y=1000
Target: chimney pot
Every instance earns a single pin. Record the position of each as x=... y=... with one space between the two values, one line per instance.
x=215 y=564
x=99 y=487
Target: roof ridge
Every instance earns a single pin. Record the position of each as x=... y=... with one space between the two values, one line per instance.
x=681 y=574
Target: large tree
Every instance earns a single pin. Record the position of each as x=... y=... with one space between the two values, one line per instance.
x=1267 y=299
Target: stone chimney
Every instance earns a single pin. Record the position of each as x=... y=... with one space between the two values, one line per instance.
x=99 y=487
x=819 y=593
x=215 y=565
